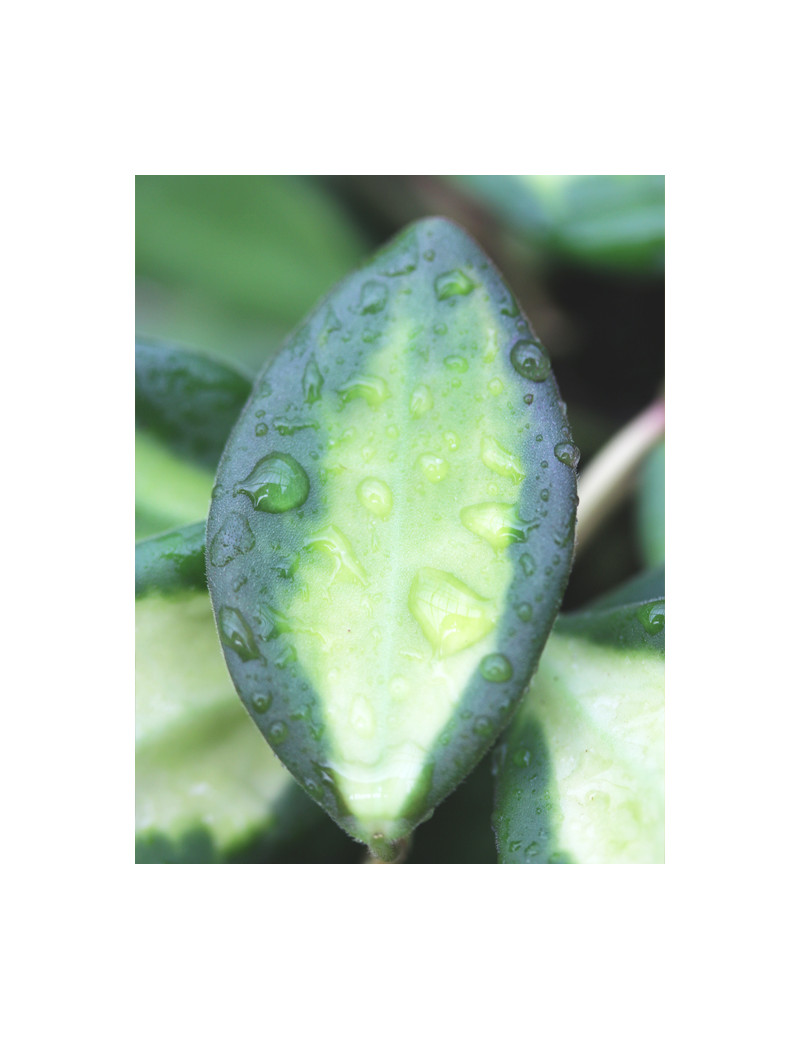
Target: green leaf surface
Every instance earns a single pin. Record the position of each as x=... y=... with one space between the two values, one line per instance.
x=206 y=783
x=387 y=559
x=186 y=404
x=613 y=222
x=650 y=508
x=580 y=771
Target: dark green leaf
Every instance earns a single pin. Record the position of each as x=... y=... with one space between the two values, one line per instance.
x=580 y=771
x=387 y=559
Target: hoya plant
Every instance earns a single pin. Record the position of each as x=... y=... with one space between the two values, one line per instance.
x=350 y=585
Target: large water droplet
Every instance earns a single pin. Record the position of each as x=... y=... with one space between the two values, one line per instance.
x=277 y=732
x=312 y=382
x=451 y=616
x=530 y=360
x=567 y=453
x=232 y=539
x=330 y=539
x=434 y=467
x=421 y=400
x=276 y=484
x=234 y=632
x=261 y=702
x=453 y=283
x=375 y=495
x=651 y=617
x=501 y=461
x=373 y=298
x=373 y=389
x=496 y=522
x=496 y=668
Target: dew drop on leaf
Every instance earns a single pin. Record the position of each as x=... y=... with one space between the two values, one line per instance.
x=568 y=453
x=530 y=360
x=451 y=616
x=376 y=496
x=496 y=668
x=276 y=484
x=234 y=632
x=453 y=283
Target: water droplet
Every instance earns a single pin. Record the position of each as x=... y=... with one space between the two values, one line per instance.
x=421 y=400
x=451 y=440
x=373 y=298
x=234 y=632
x=514 y=846
x=496 y=668
x=496 y=522
x=451 y=616
x=456 y=363
x=528 y=398
x=440 y=328
x=651 y=617
x=567 y=453
x=532 y=849
x=400 y=257
x=453 y=283
x=530 y=360
x=362 y=717
x=524 y=611
x=496 y=387
x=545 y=495
x=509 y=306
x=434 y=468
x=482 y=726
x=286 y=427
x=312 y=382
x=527 y=564
x=330 y=539
x=521 y=757
x=373 y=389
x=261 y=429
x=429 y=254
x=277 y=732
x=501 y=461
x=375 y=495
x=232 y=539
x=261 y=702
x=276 y=484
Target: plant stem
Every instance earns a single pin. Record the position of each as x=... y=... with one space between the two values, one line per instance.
x=386 y=852
x=609 y=476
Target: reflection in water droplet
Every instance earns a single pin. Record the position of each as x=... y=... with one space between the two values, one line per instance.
x=373 y=389
x=651 y=617
x=434 y=468
x=530 y=360
x=421 y=400
x=496 y=522
x=496 y=668
x=567 y=453
x=376 y=496
x=451 y=616
x=373 y=298
x=451 y=440
x=234 y=632
x=330 y=539
x=261 y=702
x=312 y=382
x=276 y=483
x=501 y=461
x=232 y=539
x=453 y=283
x=277 y=732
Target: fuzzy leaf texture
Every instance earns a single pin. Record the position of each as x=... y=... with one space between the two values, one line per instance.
x=391 y=532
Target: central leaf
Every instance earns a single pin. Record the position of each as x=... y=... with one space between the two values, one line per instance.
x=391 y=531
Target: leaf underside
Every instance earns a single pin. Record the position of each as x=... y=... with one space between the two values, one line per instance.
x=391 y=531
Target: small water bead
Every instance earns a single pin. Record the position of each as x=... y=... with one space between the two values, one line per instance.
x=376 y=496
x=528 y=399
x=567 y=453
x=545 y=495
x=276 y=484
x=440 y=329
x=496 y=668
x=522 y=757
x=373 y=389
x=456 y=363
x=235 y=633
x=496 y=387
x=501 y=461
x=261 y=429
x=277 y=732
x=286 y=427
x=401 y=257
x=362 y=717
x=429 y=255
x=451 y=616
x=312 y=382
x=651 y=617
x=527 y=564
x=524 y=611
x=259 y=413
x=434 y=467
x=495 y=522
x=539 y=438
x=421 y=400
x=530 y=360
x=373 y=298
x=453 y=283
x=261 y=702
x=234 y=538
x=514 y=846
x=482 y=726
